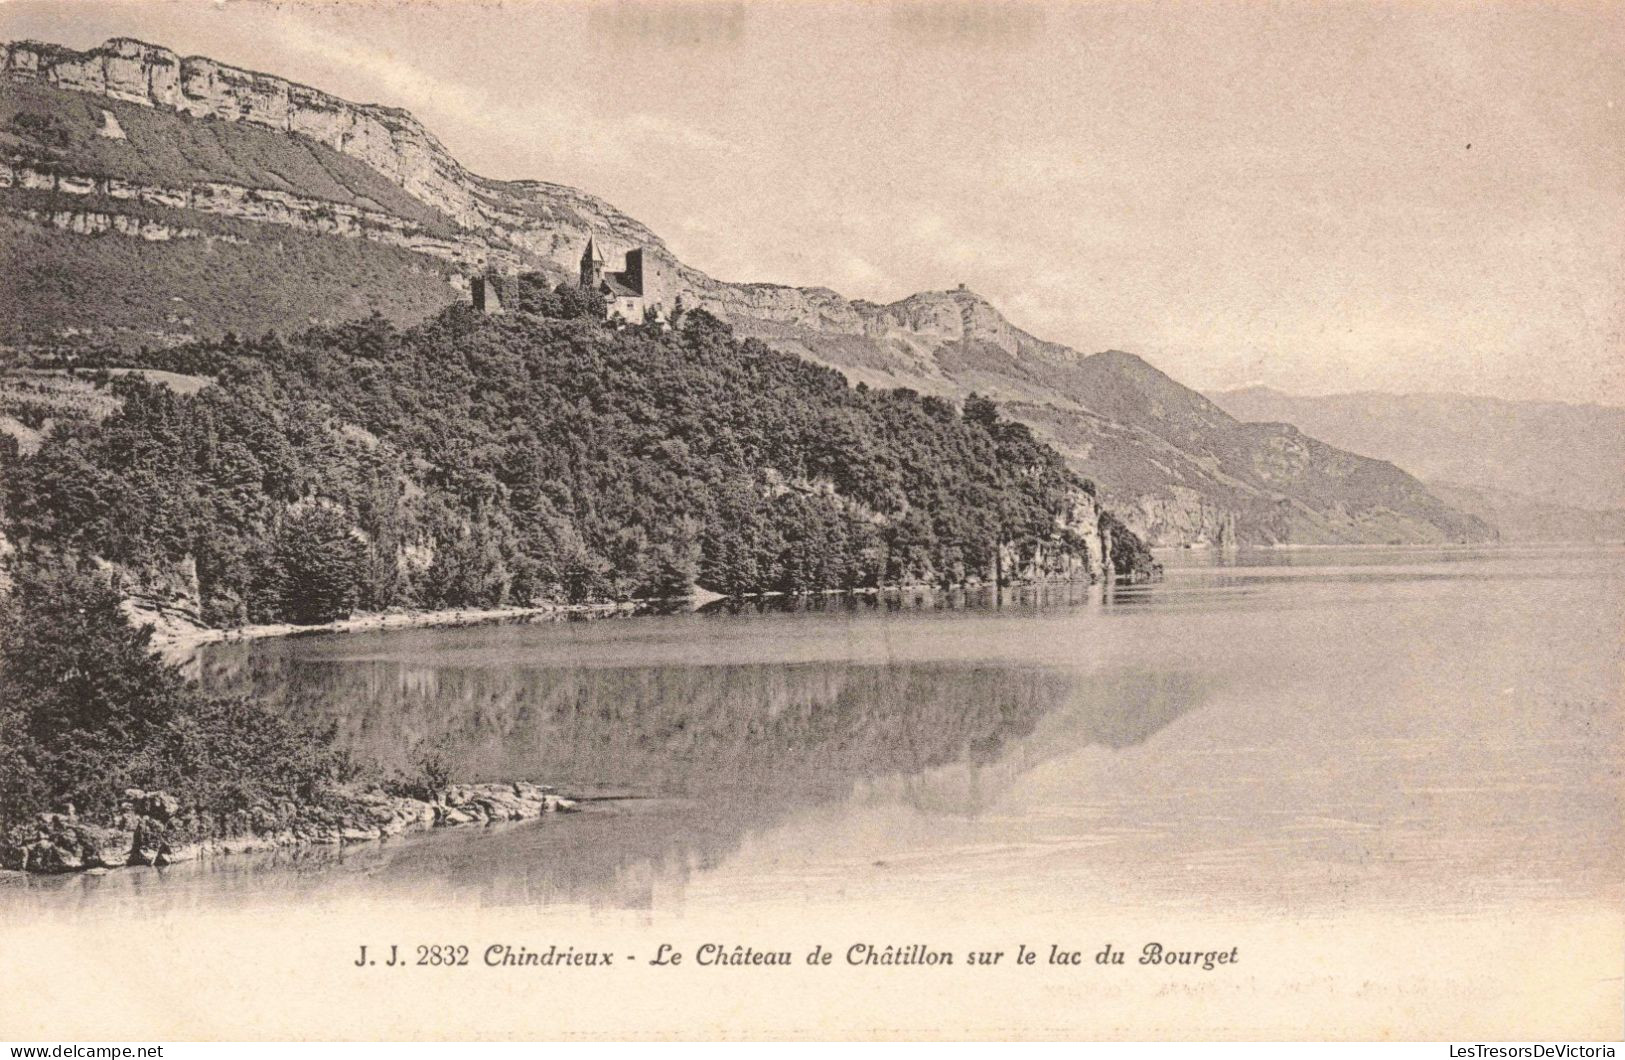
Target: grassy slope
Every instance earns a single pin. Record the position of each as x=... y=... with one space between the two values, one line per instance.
x=130 y=291
x=135 y=292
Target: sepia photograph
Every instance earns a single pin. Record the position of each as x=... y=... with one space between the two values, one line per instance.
x=784 y=520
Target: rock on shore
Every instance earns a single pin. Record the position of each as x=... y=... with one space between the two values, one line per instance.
x=152 y=828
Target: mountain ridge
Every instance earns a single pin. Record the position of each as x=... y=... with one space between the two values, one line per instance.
x=1557 y=453
x=1265 y=390
x=270 y=169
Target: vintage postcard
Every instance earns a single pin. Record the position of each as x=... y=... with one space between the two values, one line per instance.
x=870 y=519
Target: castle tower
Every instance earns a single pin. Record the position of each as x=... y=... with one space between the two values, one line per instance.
x=592 y=265
x=486 y=293
x=633 y=273
x=632 y=292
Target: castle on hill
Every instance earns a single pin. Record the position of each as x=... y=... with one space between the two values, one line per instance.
x=640 y=285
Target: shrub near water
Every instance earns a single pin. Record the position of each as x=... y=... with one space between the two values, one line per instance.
x=88 y=711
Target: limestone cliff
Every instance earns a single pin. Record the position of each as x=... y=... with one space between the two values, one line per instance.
x=507 y=224
x=1054 y=560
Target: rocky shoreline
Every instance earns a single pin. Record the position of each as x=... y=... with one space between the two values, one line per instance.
x=152 y=828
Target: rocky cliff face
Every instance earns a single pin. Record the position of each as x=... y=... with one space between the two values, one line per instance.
x=509 y=225
x=1180 y=515
x=257 y=205
x=87 y=148
x=388 y=140
x=1083 y=521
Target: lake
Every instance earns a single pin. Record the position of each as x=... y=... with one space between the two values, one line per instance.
x=1356 y=746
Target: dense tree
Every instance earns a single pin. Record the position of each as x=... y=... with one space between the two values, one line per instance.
x=320 y=561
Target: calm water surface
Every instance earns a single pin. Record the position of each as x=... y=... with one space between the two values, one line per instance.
x=1308 y=730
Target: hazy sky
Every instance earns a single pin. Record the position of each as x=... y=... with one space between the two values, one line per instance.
x=1400 y=195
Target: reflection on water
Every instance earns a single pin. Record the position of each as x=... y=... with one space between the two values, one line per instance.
x=1292 y=728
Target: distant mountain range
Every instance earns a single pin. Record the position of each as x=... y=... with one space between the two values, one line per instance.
x=147 y=198
x=1537 y=470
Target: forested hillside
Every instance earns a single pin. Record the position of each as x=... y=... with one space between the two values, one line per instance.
x=544 y=455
